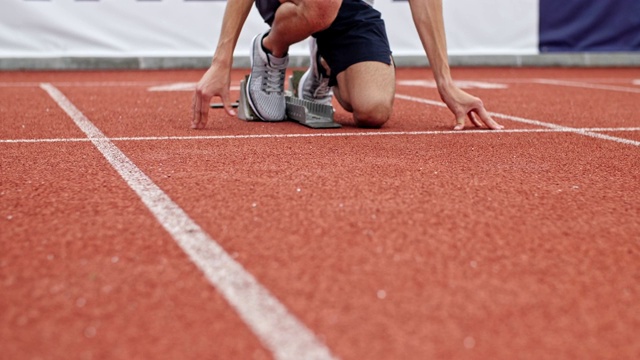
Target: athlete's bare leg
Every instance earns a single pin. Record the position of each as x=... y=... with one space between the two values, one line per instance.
x=367 y=89
x=295 y=20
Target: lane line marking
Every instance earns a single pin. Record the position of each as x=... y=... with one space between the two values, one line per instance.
x=611 y=129
x=463 y=84
x=339 y=134
x=182 y=86
x=106 y=83
x=587 y=85
x=152 y=86
x=531 y=122
x=517 y=80
x=271 y=322
x=83 y=83
x=400 y=81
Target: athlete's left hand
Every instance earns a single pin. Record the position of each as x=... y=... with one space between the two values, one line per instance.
x=465 y=106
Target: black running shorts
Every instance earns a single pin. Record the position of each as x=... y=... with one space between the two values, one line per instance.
x=357 y=34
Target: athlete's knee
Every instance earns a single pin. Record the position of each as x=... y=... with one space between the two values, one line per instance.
x=320 y=14
x=372 y=115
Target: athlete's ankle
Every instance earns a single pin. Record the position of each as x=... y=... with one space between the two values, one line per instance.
x=269 y=48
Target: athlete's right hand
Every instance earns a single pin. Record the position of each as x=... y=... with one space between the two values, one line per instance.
x=215 y=82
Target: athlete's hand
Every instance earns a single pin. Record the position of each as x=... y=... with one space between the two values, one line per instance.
x=465 y=106
x=215 y=82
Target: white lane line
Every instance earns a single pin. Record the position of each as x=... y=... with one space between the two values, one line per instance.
x=525 y=80
x=151 y=83
x=531 y=122
x=463 y=84
x=107 y=83
x=279 y=330
x=587 y=85
x=181 y=86
x=153 y=86
x=337 y=134
x=83 y=83
x=622 y=129
x=41 y=141
x=18 y=84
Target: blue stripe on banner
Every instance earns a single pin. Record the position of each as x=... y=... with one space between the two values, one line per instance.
x=589 y=25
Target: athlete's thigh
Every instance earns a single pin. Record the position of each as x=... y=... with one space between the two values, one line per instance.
x=366 y=85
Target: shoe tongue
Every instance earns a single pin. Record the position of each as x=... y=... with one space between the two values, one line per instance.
x=283 y=61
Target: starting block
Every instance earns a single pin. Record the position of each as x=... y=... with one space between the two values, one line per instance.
x=307 y=113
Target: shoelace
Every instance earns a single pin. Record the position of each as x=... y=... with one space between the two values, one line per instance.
x=321 y=83
x=323 y=90
x=273 y=82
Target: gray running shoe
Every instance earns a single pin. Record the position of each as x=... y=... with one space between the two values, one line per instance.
x=265 y=86
x=314 y=83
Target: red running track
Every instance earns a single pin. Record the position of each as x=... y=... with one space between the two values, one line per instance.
x=408 y=242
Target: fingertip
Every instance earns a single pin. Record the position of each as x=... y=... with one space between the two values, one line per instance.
x=231 y=112
x=488 y=120
x=497 y=126
x=198 y=125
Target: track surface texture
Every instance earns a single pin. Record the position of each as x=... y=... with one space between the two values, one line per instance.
x=124 y=234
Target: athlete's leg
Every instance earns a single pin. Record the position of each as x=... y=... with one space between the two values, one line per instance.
x=367 y=89
x=291 y=21
x=295 y=20
x=357 y=51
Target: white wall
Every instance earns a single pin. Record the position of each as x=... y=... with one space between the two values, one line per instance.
x=474 y=27
x=168 y=28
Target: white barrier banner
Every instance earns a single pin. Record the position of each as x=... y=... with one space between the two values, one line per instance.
x=115 y=28
x=190 y=28
x=473 y=27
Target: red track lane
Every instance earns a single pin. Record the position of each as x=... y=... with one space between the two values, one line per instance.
x=567 y=106
x=446 y=246
x=88 y=273
x=27 y=114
